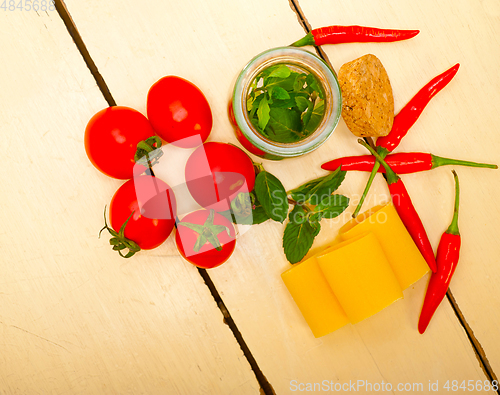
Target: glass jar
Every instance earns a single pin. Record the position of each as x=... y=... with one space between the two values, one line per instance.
x=299 y=60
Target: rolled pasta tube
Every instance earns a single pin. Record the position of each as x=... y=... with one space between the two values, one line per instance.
x=314 y=297
x=360 y=276
x=400 y=249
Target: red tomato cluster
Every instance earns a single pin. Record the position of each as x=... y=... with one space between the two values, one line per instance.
x=143 y=211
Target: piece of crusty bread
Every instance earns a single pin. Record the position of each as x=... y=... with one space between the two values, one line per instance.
x=367 y=100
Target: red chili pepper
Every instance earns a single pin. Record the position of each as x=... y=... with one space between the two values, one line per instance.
x=401 y=163
x=405 y=120
x=447 y=258
x=353 y=34
x=404 y=206
x=410 y=113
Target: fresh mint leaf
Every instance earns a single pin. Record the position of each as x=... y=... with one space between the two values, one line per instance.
x=263 y=76
x=330 y=207
x=315 y=118
x=259 y=215
x=297 y=215
x=280 y=93
x=255 y=105
x=313 y=85
x=253 y=85
x=299 y=194
x=263 y=113
x=250 y=101
x=302 y=103
x=284 y=125
x=316 y=226
x=282 y=71
x=325 y=187
x=281 y=104
x=320 y=185
x=272 y=195
x=307 y=115
x=286 y=83
x=288 y=103
x=265 y=73
x=299 y=82
x=299 y=237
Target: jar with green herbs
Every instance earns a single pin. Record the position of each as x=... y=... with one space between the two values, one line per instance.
x=286 y=102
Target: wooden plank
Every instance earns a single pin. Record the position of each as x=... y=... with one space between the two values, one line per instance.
x=460 y=122
x=208 y=43
x=74 y=316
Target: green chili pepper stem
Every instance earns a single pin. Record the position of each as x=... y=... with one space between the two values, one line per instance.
x=383 y=152
x=306 y=40
x=453 y=228
x=439 y=161
x=392 y=177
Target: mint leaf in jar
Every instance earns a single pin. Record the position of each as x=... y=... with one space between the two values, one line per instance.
x=315 y=117
x=285 y=103
x=280 y=93
x=263 y=113
x=281 y=71
x=302 y=103
x=283 y=125
x=312 y=86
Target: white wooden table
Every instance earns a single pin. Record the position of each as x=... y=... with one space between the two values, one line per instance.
x=75 y=318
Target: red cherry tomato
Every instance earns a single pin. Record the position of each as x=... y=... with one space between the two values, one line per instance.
x=216 y=173
x=179 y=112
x=111 y=139
x=207 y=256
x=153 y=203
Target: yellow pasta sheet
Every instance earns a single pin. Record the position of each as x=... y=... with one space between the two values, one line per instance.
x=403 y=255
x=358 y=277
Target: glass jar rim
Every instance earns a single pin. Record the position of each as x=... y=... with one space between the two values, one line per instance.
x=311 y=63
